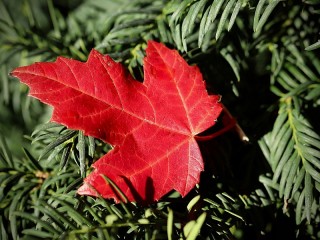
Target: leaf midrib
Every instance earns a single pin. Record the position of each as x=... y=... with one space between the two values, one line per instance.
x=113 y=106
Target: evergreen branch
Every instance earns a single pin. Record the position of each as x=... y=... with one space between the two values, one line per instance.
x=58 y=143
x=262 y=13
x=211 y=19
x=38 y=198
x=293 y=146
x=294 y=154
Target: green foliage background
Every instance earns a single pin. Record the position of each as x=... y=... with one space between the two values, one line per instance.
x=262 y=57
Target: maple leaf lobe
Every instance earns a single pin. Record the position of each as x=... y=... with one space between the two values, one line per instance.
x=151 y=124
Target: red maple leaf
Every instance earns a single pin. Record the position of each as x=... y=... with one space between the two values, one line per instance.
x=151 y=125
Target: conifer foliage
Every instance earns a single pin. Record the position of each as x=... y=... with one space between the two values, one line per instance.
x=261 y=171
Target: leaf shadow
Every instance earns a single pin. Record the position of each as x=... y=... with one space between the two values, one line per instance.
x=149 y=191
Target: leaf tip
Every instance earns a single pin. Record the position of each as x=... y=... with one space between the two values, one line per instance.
x=86 y=189
x=15 y=72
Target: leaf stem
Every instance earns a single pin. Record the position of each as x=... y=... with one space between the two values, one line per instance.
x=232 y=123
x=229 y=123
